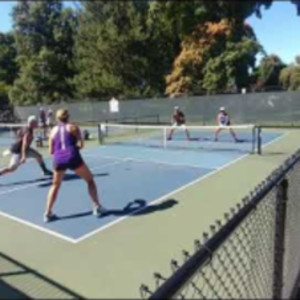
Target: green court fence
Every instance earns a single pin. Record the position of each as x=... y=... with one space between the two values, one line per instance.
x=256 y=108
x=7 y=114
x=253 y=255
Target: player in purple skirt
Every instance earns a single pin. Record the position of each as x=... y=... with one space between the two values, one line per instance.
x=65 y=142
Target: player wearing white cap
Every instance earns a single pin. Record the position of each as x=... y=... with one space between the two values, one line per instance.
x=178 y=120
x=20 y=150
x=223 y=121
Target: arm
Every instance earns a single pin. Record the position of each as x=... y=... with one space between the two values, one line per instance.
x=51 y=148
x=172 y=119
x=76 y=131
x=228 y=120
x=80 y=139
x=51 y=140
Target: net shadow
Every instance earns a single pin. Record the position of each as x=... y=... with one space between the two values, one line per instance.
x=27 y=283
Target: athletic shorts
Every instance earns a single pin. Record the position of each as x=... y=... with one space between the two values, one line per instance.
x=175 y=125
x=16 y=157
x=73 y=164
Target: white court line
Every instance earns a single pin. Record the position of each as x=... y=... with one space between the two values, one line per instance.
x=75 y=241
x=38 y=183
x=40 y=228
x=145 y=161
x=277 y=139
x=171 y=193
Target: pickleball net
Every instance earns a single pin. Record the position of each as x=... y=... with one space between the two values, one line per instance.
x=242 y=138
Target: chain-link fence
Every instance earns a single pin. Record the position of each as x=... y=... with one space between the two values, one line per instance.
x=254 y=255
x=257 y=108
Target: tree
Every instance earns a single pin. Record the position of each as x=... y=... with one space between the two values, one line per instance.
x=212 y=61
x=109 y=50
x=269 y=70
x=8 y=66
x=289 y=76
x=44 y=42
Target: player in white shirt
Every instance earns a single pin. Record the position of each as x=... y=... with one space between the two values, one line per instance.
x=223 y=121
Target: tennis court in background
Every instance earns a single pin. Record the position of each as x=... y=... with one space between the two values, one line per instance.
x=129 y=178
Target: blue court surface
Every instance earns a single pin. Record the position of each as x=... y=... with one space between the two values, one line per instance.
x=128 y=178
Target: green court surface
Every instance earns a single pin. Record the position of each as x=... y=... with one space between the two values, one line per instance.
x=114 y=263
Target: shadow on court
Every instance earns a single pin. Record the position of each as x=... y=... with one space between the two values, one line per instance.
x=74 y=216
x=9 y=292
x=136 y=208
x=271 y=153
x=26 y=182
x=140 y=207
x=47 y=181
x=40 y=285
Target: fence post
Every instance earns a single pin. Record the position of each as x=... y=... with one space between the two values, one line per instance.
x=280 y=224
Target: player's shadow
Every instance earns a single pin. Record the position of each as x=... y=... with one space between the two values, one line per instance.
x=271 y=153
x=45 y=180
x=135 y=208
x=70 y=177
x=74 y=216
x=141 y=207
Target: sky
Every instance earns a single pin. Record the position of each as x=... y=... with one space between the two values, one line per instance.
x=278 y=30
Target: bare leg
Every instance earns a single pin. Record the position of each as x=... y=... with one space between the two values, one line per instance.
x=52 y=194
x=12 y=166
x=85 y=173
x=217 y=133
x=7 y=170
x=170 y=134
x=187 y=134
x=39 y=158
x=233 y=134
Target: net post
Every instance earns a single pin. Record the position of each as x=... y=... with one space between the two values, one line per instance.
x=254 y=139
x=101 y=128
x=99 y=134
x=165 y=137
x=279 y=237
x=259 y=140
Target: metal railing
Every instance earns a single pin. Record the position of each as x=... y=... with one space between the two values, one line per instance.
x=253 y=255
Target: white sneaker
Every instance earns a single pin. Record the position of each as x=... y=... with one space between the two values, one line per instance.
x=98 y=211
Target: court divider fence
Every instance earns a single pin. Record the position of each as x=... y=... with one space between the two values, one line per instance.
x=266 y=108
x=254 y=254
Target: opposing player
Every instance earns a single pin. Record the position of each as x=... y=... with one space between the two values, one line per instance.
x=20 y=150
x=178 y=120
x=223 y=121
x=65 y=142
x=42 y=122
